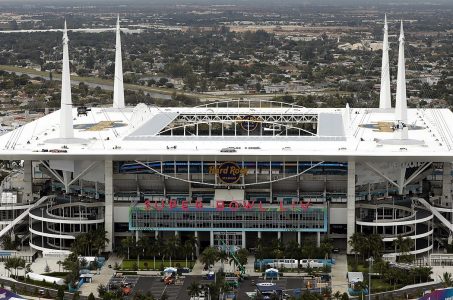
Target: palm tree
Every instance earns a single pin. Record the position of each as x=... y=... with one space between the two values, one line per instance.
x=293 y=250
x=308 y=249
x=260 y=251
x=278 y=248
x=153 y=250
x=337 y=295
x=128 y=243
x=99 y=239
x=194 y=289
x=424 y=274
x=357 y=241
x=186 y=249
x=360 y=286
x=193 y=241
x=79 y=246
x=242 y=256
x=222 y=256
x=376 y=245
x=404 y=246
x=14 y=263
x=209 y=256
x=172 y=247
x=447 y=279
x=326 y=247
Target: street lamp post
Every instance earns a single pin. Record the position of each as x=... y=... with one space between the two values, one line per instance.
x=370 y=266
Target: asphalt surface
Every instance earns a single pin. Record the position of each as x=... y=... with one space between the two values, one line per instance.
x=156 y=287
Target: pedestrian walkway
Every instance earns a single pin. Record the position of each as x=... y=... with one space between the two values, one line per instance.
x=102 y=278
x=197 y=268
x=339 y=271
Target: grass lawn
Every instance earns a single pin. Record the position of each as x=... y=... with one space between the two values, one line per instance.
x=129 y=264
x=379 y=285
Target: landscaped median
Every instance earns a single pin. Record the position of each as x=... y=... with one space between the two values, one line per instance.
x=157 y=265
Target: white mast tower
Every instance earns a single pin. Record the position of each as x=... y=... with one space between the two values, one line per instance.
x=118 y=89
x=66 y=124
x=385 y=98
x=401 y=101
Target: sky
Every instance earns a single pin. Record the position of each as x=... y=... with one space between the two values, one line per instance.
x=239 y=2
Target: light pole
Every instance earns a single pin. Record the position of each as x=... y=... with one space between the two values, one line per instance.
x=370 y=266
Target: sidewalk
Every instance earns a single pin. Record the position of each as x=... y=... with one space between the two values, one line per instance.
x=339 y=271
x=103 y=278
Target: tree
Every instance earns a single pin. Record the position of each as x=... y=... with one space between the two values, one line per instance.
x=102 y=289
x=191 y=81
x=194 y=289
x=360 y=286
x=326 y=247
x=242 y=256
x=171 y=247
x=404 y=246
x=99 y=239
x=209 y=256
x=357 y=243
x=376 y=246
x=153 y=250
x=337 y=295
x=447 y=279
x=72 y=264
x=193 y=242
x=186 y=249
x=222 y=256
x=76 y=296
x=293 y=250
x=127 y=243
x=14 y=263
x=60 y=293
x=8 y=243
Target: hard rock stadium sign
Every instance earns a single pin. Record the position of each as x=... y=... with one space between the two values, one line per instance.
x=228 y=172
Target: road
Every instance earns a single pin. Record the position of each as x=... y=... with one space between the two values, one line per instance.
x=156 y=92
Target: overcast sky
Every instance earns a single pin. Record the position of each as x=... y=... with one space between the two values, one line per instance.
x=241 y=2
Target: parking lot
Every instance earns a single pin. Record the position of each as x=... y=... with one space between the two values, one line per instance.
x=154 y=285
x=119 y=282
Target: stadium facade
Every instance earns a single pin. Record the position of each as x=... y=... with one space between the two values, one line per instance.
x=232 y=171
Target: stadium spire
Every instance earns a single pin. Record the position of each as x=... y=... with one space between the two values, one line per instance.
x=118 y=89
x=401 y=101
x=66 y=124
x=385 y=98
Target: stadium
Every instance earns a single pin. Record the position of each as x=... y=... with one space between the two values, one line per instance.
x=232 y=172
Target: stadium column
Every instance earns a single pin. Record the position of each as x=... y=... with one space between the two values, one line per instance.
x=108 y=219
x=244 y=245
x=211 y=238
x=197 y=247
x=446 y=185
x=350 y=203
x=28 y=182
